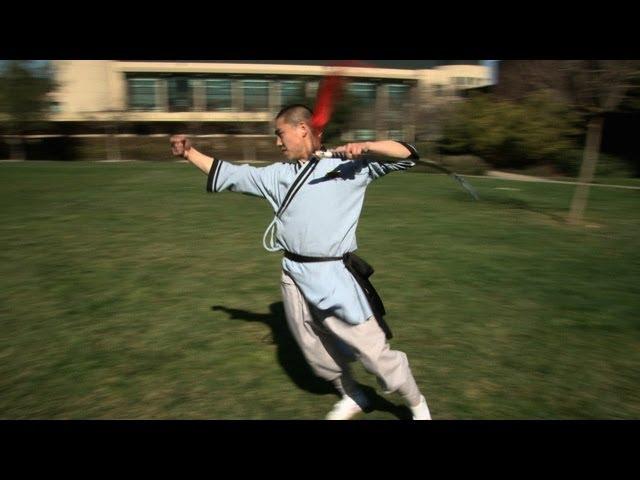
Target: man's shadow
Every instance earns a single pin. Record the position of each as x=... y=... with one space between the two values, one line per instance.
x=293 y=362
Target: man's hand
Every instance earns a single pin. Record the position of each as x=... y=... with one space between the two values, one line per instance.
x=387 y=148
x=180 y=145
x=353 y=149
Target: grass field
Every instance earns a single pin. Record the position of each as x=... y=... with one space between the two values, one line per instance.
x=127 y=292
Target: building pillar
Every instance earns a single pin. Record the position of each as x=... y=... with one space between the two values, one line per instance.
x=237 y=95
x=275 y=96
x=381 y=108
x=199 y=97
x=412 y=114
x=162 y=95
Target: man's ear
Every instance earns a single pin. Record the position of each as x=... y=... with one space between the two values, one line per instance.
x=305 y=129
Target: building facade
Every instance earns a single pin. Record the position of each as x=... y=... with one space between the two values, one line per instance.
x=242 y=98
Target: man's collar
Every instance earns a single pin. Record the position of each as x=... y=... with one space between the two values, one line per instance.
x=303 y=161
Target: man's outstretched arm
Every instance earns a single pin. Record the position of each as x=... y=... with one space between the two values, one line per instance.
x=262 y=182
x=181 y=147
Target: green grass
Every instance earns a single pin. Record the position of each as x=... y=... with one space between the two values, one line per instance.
x=109 y=272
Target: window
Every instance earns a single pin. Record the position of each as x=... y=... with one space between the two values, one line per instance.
x=142 y=93
x=396 y=135
x=292 y=91
x=180 y=94
x=312 y=91
x=256 y=95
x=398 y=95
x=218 y=95
x=364 y=134
x=364 y=93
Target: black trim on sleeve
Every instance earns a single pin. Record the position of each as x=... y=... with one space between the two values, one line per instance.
x=215 y=178
x=414 y=153
x=212 y=177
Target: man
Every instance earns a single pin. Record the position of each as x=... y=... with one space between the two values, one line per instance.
x=317 y=204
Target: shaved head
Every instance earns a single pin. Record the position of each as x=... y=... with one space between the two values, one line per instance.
x=294 y=114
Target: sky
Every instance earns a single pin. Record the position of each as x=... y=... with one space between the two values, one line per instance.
x=493 y=64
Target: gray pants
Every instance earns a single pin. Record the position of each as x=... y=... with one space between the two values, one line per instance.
x=330 y=344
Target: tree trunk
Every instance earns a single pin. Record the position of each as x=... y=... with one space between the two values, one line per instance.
x=16 y=148
x=112 y=143
x=587 y=169
x=248 y=149
x=248 y=145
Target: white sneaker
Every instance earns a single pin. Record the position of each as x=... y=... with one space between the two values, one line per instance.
x=346 y=408
x=421 y=411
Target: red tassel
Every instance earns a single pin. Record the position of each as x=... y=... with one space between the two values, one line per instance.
x=328 y=93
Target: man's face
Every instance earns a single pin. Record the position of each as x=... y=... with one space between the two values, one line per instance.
x=290 y=139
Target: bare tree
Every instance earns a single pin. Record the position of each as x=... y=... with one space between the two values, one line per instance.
x=596 y=87
x=592 y=87
x=518 y=78
x=111 y=127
